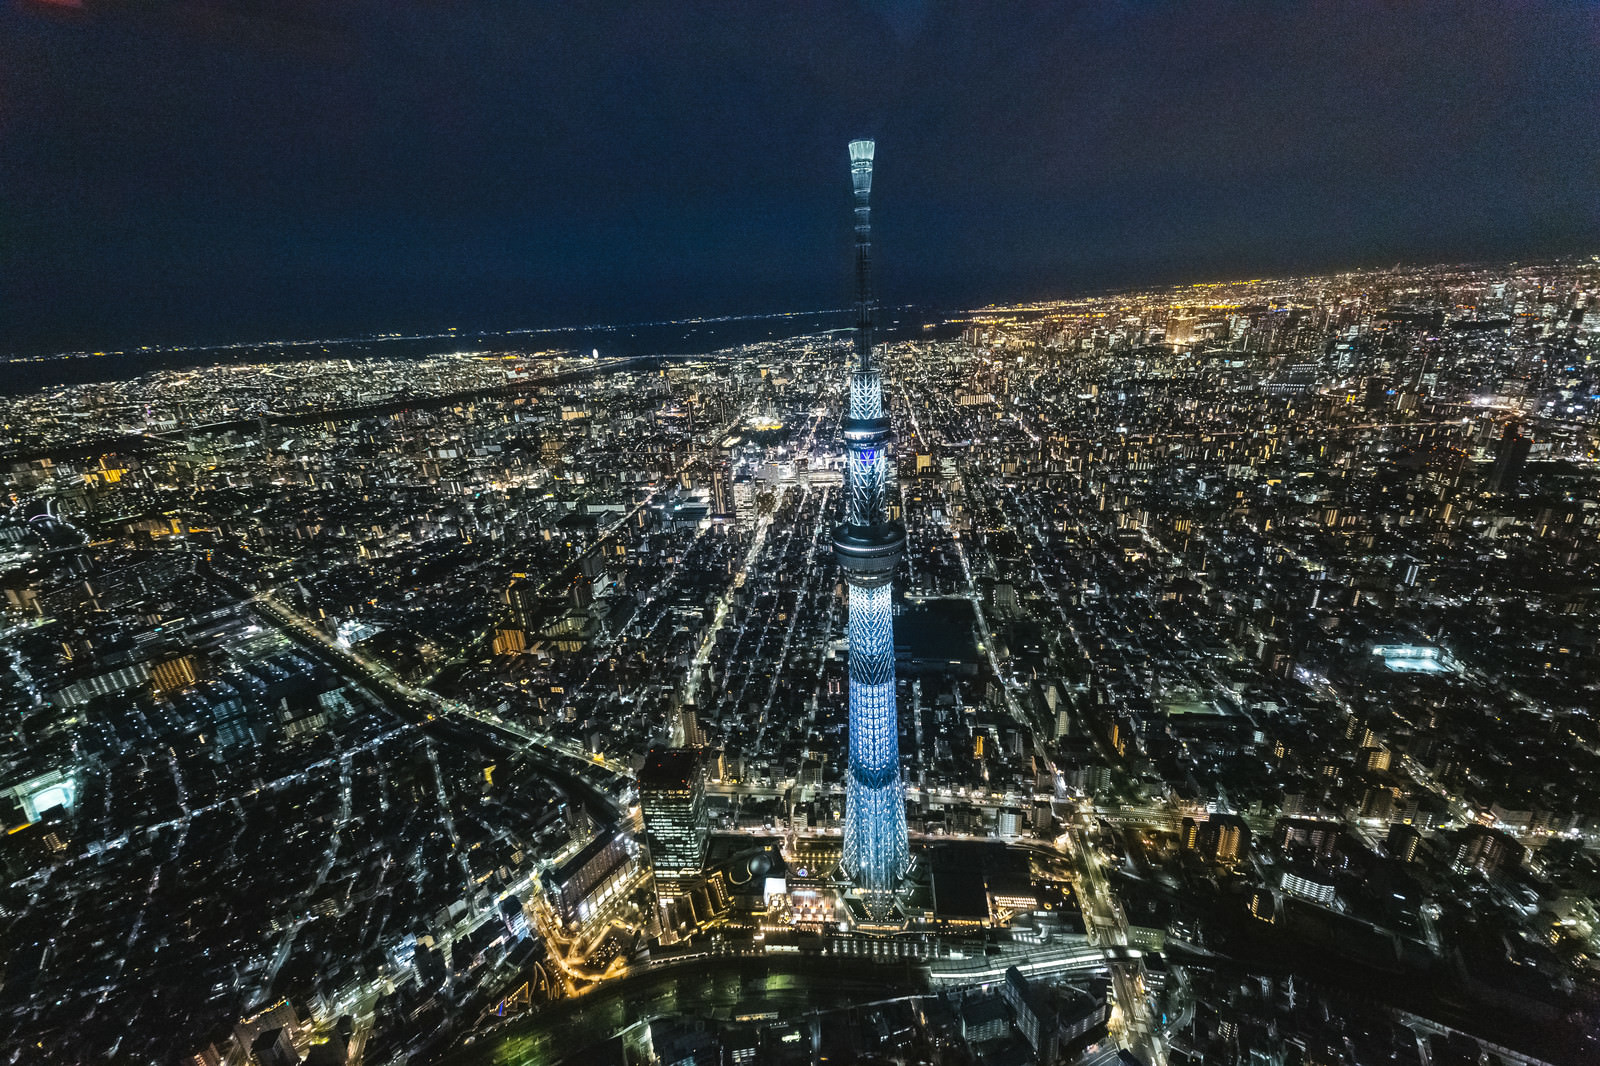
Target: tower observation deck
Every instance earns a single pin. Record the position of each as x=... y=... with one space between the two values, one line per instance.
x=868 y=547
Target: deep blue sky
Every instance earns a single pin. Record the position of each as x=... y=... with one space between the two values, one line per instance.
x=234 y=169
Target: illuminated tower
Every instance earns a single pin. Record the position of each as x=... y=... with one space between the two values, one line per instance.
x=868 y=546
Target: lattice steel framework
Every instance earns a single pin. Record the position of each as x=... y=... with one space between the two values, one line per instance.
x=868 y=546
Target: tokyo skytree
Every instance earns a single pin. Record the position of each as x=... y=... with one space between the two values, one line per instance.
x=868 y=546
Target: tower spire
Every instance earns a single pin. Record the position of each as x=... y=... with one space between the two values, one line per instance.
x=861 y=153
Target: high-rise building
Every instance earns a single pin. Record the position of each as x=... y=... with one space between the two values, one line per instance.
x=274 y=1048
x=1403 y=842
x=1487 y=850
x=1309 y=883
x=1229 y=839
x=672 y=797
x=868 y=546
x=1510 y=458
x=1222 y=838
x=590 y=886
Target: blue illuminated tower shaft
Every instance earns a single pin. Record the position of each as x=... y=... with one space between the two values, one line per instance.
x=868 y=546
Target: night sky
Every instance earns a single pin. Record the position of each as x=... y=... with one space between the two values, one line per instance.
x=212 y=170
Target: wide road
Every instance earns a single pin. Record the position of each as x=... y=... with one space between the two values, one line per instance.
x=560 y=760
x=1108 y=929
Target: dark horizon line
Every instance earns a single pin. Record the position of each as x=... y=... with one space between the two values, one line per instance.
x=1081 y=292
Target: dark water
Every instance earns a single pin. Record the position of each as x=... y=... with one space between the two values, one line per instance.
x=654 y=338
x=563 y=1031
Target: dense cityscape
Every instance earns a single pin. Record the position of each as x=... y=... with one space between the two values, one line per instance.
x=876 y=533
x=494 y=705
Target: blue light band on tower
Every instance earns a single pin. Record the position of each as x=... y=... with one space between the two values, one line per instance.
x=868 y=546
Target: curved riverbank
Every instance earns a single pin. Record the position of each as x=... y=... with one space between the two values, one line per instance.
x=785 y=986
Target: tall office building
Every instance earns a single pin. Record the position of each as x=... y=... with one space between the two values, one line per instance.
x=721 y=492
x=672 y=797
x=868 y=546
